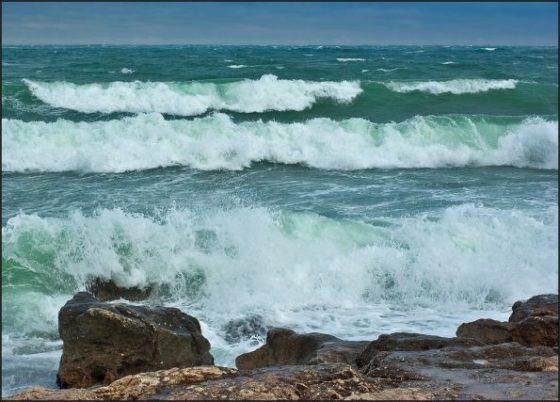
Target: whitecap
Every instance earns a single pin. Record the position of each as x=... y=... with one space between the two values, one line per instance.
x=216 y=142
x=188 y=99
x=347 y=59
x=456 y=87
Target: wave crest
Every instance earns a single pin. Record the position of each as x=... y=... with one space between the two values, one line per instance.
x=217 y=142
x=456 y=87
x=188 y=99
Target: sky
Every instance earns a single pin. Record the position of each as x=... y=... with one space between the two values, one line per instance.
x=281 y=23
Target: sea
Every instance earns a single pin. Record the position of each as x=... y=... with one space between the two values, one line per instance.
x=353 y=191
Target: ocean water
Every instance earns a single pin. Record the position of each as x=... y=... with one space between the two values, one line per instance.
x=347 y=190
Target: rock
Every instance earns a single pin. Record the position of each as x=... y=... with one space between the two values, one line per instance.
x=105 y=290
x=536 y=330
x=285 y=347
x=245 y=329
x=486 y=331
x=501 y=371
x=133 y=386
x=315 y=382
x=511 y=356
x=103 y=342
x=408 y=341
x=321 y=381
x=540 y=305
x=535 y=321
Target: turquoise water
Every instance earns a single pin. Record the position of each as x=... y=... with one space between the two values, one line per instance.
x=347 y=190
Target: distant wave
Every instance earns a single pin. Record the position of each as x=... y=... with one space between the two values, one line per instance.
x=346 y=59
x=456 y=87
x=387 y=70
x=125 y=70
x=449 y=62
x=489 y=49
x=237 y=66
x=217 y=142
x=189 y=99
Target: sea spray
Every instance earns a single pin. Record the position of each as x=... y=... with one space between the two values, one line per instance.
x=230 y=263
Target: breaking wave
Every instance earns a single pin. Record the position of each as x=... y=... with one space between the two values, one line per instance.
x=188 y=99
x=217 y=142
x=228 y=263
x=456 y=87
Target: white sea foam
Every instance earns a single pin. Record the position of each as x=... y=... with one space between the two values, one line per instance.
x=303 y=270
x=449 y=62
x=217 y=142
x=387 y=70
x=125 y=70
x=347 y=59
x=236 y=66
x=456 y=87
x=489 y=49
x=187 y=99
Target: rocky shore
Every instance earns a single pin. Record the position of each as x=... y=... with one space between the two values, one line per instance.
x=120 y=351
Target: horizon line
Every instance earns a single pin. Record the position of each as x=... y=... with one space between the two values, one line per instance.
x=271 y=45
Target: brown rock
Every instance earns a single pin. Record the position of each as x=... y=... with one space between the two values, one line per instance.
x=325 y=381
x=103 y=342
x=285 y=347
x=536 y=330
x=486 y=331
x=408 y=341
x=540 y=305
x=322 y=381
x=501 y=371
x=106 y=290
x=137 y=386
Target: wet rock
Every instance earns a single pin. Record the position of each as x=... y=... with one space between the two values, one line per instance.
x=535 y=321
x=408 y=341
x=106 y=290
x=486 y=331
x=245 y=329
x=135 y=386
x=536 y=306
x=323 y=381
x=537 y=330
x=501 y=371
x=511 y=356
x=315 y=382
x=285 y=347
x=103 y=342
